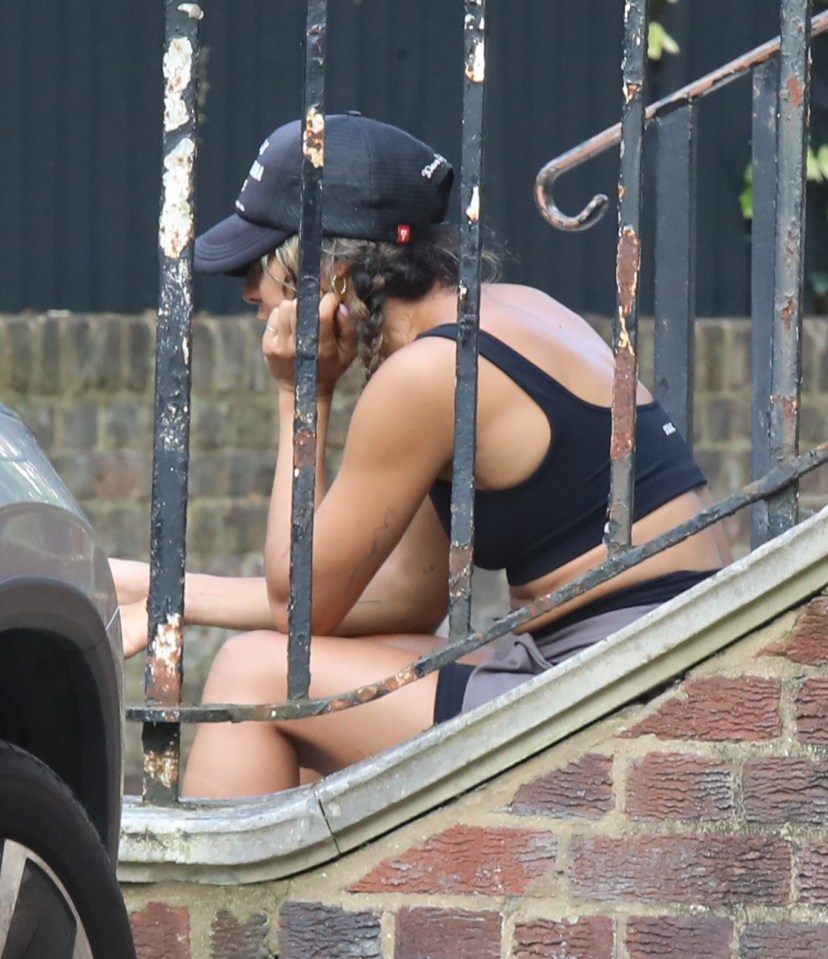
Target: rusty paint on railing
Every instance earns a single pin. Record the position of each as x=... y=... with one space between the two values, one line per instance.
x=786 y=349
x=468 y=319
x=300 y=601
x=618 y=532
x=597 y=206
x=164 y=670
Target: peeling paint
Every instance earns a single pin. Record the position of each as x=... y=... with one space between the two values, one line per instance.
x=795 y=92
x=176 y=222
x=476 y=65
x=164 y=666
x=473 y=209
x=627 y=269
x=631 y=91
x=193 y=10
x=178 y=74
x=313 y=143
x=460 y=568
x=162 y=768
x=623 y=398
x=788 y=312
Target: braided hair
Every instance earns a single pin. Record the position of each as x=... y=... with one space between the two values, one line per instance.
x=379 y=270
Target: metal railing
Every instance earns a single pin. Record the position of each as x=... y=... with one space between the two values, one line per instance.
x=780 y=104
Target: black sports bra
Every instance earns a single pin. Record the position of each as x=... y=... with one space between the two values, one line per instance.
x=559 y=512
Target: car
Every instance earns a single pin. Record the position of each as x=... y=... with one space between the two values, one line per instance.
x=61 y=719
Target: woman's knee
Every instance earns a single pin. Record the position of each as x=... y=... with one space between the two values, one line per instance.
x=249 y=667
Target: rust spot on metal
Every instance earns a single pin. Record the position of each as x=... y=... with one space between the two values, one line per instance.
x=460 y=566
x=628 y=265
x=304 y=448
x=623 y=401
x=789 y=406
x=795 y=91
x=313 y=142
x=788 y=312
x=164 y=666
x=631 y=91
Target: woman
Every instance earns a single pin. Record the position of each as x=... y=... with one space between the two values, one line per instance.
x=380 y=537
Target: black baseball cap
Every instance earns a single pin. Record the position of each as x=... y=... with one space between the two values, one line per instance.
x=379 y=183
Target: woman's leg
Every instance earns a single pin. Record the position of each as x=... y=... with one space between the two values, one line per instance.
x=245 y=759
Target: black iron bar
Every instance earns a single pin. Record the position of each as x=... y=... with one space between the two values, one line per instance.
x=777 y=479
x=468 y=310
x=627 y=274
x=164 y=671
x=762 y=236
x=786 y=355
x=307 y=344
x=610 y=137
x=675 y=273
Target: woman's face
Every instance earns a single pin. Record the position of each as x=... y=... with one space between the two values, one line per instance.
x=267 y=286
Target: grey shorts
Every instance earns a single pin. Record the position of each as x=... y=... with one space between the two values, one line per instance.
x=520 y=657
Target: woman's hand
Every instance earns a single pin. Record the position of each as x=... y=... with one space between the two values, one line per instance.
x=134 y=627
x=131 y=580
x=132 y=586
x=337 y=342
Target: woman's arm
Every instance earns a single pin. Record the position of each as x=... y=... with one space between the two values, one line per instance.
x=400 y=438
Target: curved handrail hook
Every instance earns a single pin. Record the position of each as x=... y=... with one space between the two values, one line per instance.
x=550 y=211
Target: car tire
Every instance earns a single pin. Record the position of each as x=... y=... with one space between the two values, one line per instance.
x=59 y=896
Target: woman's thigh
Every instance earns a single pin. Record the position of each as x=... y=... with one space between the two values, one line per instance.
x=252 y=668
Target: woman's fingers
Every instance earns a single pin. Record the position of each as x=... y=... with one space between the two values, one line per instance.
x=134 y=627
x=337 y=340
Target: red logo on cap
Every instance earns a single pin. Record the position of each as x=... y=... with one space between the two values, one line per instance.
x=403 y=233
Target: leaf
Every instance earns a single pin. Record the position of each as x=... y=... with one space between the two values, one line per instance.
x=822 y=160
x=746 y=202
x=659 y=41
x=812 y=170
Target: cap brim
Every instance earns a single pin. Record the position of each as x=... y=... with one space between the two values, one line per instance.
x=233 y=244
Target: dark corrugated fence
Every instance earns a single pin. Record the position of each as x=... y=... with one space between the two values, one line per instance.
x=80 y=117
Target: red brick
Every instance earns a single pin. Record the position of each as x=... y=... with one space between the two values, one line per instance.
x=785 y=940
x=812 y=712
x=808 y=640
x=813 y=874
x=679 y=786
x=161 y=932
x=681 y=868
x=232 y=939
x=745 y=709
x=446 y=934
x=468 y=859
x=582 y=788
x=589 y=937
x=679 y=937
x=785 y=788
x=311 y=930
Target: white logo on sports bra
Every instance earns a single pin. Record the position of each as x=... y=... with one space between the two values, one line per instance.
x=669 y=429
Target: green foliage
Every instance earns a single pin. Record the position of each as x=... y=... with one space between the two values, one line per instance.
x=659 y=40
x=816 y=171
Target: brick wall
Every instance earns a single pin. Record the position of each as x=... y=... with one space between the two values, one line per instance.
x=689 y=827
x=84 y=386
